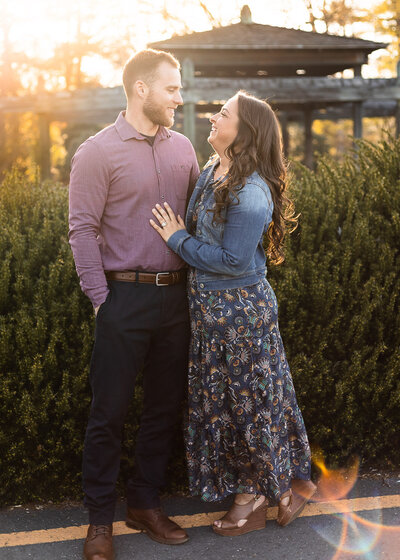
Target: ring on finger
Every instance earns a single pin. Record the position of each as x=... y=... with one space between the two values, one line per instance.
x=163 y=224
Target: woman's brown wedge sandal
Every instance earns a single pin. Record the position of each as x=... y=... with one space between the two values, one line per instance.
x=293 y=505
x=243 y=518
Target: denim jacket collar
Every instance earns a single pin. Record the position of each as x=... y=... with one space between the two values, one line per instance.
x=201 y=182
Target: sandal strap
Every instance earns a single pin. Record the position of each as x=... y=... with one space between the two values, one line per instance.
x=287 y=494
x=240 y=511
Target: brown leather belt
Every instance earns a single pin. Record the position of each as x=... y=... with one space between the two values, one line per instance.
x=159 y=278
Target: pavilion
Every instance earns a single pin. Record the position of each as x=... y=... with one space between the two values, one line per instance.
x=293 y=69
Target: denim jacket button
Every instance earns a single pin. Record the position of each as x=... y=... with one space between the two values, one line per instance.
x=201 y=285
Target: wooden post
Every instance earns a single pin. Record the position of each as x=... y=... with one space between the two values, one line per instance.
x=357 y=119
x=2 y=133
x=397 y=115
x=308 y=151
x=285 y=133
x=3 y=146
x=189 y=108
x=44 y=145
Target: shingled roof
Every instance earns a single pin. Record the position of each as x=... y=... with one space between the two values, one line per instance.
x=254 y=49
x=259 y=36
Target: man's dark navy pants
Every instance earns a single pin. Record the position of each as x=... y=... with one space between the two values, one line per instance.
x=139 y=327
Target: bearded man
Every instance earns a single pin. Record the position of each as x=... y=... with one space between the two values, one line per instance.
x=138 y=292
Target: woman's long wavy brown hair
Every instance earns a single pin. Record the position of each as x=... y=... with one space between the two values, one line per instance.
x=258 y=147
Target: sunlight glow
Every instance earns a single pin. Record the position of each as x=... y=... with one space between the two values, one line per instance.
x=40 y=29
x=349 y=532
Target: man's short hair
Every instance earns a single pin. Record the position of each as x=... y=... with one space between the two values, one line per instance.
x=143 y=66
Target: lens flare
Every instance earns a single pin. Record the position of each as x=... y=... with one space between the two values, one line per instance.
x=334 y=484
x=348 y=533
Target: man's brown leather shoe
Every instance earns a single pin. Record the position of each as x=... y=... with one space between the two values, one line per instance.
x=157 y=525
x=98 y=543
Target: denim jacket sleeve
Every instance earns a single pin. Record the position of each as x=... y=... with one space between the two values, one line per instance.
x=243 y=230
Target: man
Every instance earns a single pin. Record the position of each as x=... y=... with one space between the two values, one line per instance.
x=137 y=288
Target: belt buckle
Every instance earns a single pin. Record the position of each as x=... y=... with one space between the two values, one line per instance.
x=157 y=275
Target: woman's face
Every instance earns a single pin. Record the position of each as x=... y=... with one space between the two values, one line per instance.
x=225 y=125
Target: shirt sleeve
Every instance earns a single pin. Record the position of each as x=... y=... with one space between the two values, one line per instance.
x=88 y=190
x=194 y=175
x=243 y=229
x=194 y=172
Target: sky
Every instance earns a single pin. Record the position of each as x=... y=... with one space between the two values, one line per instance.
x=38 y=26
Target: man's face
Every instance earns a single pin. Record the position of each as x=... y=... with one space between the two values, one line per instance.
x=164 y=95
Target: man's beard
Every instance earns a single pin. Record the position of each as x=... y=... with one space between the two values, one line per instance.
x=156 y=113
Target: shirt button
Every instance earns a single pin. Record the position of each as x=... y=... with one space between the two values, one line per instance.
x=201 y=285
x=162 y=196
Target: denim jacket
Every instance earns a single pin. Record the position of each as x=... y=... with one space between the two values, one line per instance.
x=230 y=254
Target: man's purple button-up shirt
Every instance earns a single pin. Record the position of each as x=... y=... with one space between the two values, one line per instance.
x=117 y=177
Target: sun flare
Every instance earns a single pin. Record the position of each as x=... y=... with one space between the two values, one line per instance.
x=43 y=29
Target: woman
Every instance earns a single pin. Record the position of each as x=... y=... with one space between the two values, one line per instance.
x=245 y=433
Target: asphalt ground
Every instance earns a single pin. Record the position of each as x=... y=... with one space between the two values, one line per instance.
x=365 y=524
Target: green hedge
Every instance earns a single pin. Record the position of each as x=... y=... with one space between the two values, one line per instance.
x=338 y=294
x=45 y=337
x=339 y=300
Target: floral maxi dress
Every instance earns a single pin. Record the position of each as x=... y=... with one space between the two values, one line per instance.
x=244 y=431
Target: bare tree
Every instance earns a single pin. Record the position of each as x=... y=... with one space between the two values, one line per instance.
x=335 y=15
x=214 y=22
x=386 y=19
x=10 y=82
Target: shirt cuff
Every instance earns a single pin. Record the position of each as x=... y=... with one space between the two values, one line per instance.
x=176 y=239
x=99 y=297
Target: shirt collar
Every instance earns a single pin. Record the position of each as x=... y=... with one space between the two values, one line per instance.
x=126 y=131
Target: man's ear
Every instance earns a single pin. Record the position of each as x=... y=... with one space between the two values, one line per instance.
x=140 y=89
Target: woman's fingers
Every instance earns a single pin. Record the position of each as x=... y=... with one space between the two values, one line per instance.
x=167 y=220
x=163 y=212
x=159 y=216
x=155 y=226
x=169 y=210
x=159 y=230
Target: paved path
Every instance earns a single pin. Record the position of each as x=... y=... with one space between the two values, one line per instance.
x=366 y=524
